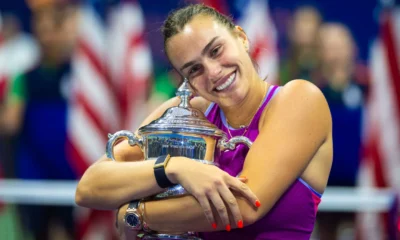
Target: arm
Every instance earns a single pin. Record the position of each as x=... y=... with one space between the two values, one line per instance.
x=300 y=120
x=108 y=184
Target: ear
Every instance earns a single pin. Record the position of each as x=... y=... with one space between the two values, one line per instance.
x=242 y=37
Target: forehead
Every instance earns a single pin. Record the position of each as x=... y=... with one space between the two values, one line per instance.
x=195 y=35
x=335 y=35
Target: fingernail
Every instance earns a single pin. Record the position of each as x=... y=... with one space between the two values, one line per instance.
x=240 y=224
x=228 y=227
x=258 y=204
x=243 y=177
x=214 y=225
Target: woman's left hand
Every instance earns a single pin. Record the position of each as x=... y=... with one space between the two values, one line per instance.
x=211 y=186
x=124 y=232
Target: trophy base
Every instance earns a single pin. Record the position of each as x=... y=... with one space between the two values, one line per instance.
x=163 y=236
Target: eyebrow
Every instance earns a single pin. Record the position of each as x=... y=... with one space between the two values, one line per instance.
x=205 y=50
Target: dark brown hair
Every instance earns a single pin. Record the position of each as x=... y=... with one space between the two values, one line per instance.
x=177 y=19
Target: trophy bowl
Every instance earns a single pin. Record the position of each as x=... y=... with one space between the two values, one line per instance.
x=180 y=131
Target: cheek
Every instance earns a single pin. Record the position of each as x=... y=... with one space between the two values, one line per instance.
x=201 y=85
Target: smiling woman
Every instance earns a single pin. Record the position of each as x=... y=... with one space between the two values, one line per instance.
x=286 y=168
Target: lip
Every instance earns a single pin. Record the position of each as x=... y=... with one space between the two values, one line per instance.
x=222 y=81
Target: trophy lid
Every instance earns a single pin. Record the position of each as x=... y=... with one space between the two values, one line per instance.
x=183 y=118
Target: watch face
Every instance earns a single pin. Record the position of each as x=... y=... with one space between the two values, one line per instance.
x=132 y=220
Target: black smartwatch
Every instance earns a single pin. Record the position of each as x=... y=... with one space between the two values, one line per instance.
x=132 y=218
x=159 y=171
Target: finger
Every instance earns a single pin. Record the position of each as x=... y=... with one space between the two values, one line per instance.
x=232 y=205
x=242 y=178
x=205 y=204
x=221 y=209
x=244 y=190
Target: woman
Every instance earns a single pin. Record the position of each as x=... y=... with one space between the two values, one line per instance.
x=287 y=165
x=344 y=95
x=301 y=58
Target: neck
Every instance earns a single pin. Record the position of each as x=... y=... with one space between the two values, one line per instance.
x=243 y=113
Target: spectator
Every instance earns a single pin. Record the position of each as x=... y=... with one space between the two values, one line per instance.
x=301 y=58
x=36 y=111
x=345 y=99
x=18 y=53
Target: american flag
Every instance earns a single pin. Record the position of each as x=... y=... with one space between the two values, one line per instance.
x=94 y=107
x=130 y=61
x=381 y=167
x=255 y=18
x=111 y=69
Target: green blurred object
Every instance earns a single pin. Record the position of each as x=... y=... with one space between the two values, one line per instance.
x=164 y=85
x=10 y=228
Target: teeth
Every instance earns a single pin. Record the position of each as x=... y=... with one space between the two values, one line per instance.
x=227 y=83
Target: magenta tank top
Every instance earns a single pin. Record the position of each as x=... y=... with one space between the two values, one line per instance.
x=293 y=215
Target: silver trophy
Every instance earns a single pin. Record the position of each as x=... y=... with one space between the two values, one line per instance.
x=180 y=131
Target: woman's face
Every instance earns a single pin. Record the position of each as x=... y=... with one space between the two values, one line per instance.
x=336 y=46
x=214 y=59
x=305 y=26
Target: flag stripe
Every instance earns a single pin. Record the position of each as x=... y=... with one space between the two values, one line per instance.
x=135 y=71
x=391 y=54
x=95 y=62
x=88 y=139
x=375 y=155
x=100 y=98
x=97 y=123
x=390 y=121
x=75 y=158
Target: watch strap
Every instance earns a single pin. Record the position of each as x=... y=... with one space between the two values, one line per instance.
x=159 y=172
x=132 y=209
x=133 y=205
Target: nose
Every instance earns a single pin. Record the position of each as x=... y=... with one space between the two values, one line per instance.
x=214 y=70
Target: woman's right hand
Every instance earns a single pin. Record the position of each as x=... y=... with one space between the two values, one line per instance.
x=208 y=183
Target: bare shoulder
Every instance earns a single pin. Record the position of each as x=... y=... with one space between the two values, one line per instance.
x=301 y=90
x=301 y=94
x=305 y=101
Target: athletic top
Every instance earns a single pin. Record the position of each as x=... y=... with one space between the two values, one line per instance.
x=292 y=216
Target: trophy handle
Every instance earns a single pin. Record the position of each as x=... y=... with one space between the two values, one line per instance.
x=231 y=144
x=113 y=138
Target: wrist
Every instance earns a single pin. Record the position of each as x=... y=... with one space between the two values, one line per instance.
x=172 y=170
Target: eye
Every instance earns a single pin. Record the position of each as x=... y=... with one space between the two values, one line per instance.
x=215 y=51
x=194 y=69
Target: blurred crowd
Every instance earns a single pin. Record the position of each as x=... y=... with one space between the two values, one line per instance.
x=34 y=97
x=325 y=53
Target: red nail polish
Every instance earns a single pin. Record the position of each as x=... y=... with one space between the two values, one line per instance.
x=240 y=224
x=214 y=225
x=258 y=204
x=228 y=227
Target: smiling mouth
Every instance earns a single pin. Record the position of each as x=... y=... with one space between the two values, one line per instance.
x=227 y=83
